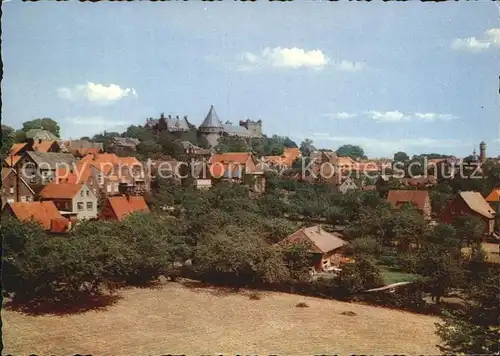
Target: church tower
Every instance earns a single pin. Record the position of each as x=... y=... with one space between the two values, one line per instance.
x=211 y=127
x=482 y=151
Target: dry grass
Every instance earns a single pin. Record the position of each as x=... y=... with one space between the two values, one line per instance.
x=188 y=319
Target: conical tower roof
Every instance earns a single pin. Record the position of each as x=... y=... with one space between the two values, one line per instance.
x=212 y=120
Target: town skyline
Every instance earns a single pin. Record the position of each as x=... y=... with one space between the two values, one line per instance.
x=320 y=75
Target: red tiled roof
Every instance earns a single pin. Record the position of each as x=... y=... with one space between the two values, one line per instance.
x=494 y=196
x=415 y=197
x=43 y=146
x=42 y=212
x=123 y=206
x=16 y=147
x=234 y=157
x=60 y=190
x=106 y=162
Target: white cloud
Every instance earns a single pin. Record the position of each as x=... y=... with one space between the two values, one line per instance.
x=490 y=39
x=388 y=116
x=97 y=93
x=291 y=58
x=340 y=115
x=430 y=116
x=384 y=147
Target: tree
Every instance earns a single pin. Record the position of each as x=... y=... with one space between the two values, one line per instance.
x=139 y=132
x=231 y=144
x=238 y=259
x=469 y=229
x=353 y=151
x=401 y=157
x=43 y=123
x=8 y=139
x=475 y=329
x=306 y=147
x=440 y=261
x=287 y=142
x=406 y=227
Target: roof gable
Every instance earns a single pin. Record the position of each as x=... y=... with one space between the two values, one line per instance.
x=477 y=203
x=415 y=197
x=42 y=212
x=494 y=196
x=60 y=190
x=123 y=206
x=321 y=240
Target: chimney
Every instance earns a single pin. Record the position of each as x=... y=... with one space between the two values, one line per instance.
x=319 y=228
x=170 y=116
x=177 y=117
x=162 y=116
x=39 y=140
x=185 y=117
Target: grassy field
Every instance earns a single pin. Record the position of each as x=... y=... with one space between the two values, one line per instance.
x=186 y=318
x=391 y=275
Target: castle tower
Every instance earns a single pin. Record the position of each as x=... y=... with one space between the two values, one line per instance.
x=482 y=151
x=254 y=127
x=211 y=127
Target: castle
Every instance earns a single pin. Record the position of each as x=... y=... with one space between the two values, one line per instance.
x=212 y=128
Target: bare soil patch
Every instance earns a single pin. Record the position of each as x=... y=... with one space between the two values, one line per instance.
x=191 y=320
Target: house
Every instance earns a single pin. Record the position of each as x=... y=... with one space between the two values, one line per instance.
x=345 y=163
x=237 y=166
x=473 y=204
x=81 y=147
x=45 y=213
x=170 y=124
x=45 y=146
x=71 y=198
x=40 y=168
x=494 y=199
x=15 y=188
x=325 y=248
x=418 y=198
x=16 y=153
x=420 y=182
x=80 y=174
x=286 y=160
x=112 y=171
x=118 y=208
x=39 y=134
x=125 y=143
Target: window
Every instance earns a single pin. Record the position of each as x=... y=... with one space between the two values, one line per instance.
x=28 y=198
x=82 y=193
x=33 y=179
x=115 y=187
x=108 y=188
x=88 y=192
x=23 y=199
x=90 y=205
x=11 y=190
x=79 y=206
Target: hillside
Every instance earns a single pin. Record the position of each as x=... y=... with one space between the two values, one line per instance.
x=178 y=318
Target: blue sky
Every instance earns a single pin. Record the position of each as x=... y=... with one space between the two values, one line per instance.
x=387 y=76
